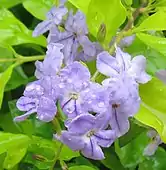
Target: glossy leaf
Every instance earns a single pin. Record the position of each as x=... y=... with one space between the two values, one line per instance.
x=81 y=4
x=82 y=167
x=42 y=152
x=4 y=78
x=15 y=32
x=111 y=160
x=132 y=153
x=155 y=162
x=42 y=6
x=157 y=43
x=153 y=110
x=150 y=23
x=111 y=13
x=9 y=3
x=15 y=145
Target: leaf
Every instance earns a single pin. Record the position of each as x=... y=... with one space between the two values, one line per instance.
x=150 y=23
x=132 y=153
x=82 y=167
x=17 y=79
x=9 y=3
x=81 y=4
x=111 y=160
x=42 y=153
x=15 y=145
x=157 y=43
x=153 y=111
x=14 y=32
x=4 y=78
x=43 y=7
x=155 y=162
x=111 y=13
x=128 y=2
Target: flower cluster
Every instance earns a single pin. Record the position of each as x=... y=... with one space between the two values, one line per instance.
x=97 y=114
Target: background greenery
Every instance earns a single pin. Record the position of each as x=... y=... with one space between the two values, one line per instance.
x=28 y=145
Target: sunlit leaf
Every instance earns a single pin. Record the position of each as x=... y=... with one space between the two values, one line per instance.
x=153 y=110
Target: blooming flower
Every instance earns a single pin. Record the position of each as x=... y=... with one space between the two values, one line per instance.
x=74 y=38
x=54 y=17
x=112 y=66
x=35 y=100
x=76 y=86
x=89 y=137
x=122 y=86
x=52 y=62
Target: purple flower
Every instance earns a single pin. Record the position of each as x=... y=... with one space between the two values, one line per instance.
x=122 y=86
x=75 y=84
x=36 y=100
x=86 y=133
x=112 y=66
x=77 y=45
x=54 y=17
x=127 y=41
x=52 y=63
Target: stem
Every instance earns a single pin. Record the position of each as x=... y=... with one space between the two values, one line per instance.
x=21 y=59
x=57 y=156
x=95 y=76
x=56 y=125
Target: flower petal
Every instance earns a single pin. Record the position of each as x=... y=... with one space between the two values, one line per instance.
x=75 y=72
x=85 y=122
x=26 y=103
x=107 y=64
x=119 y=122
x=42 y=28
x=75 y=142
x=46 y=109
x=138 y=69
x=105 y=138
x=92 y=150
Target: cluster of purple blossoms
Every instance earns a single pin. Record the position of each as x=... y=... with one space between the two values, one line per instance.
x=97 y=114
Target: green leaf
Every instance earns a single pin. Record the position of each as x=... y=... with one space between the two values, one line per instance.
x=42 y=153
x=42 y=6
x=81 y=4
x=15 y=145
x=157 y=43
x=17 y=79
x=153 y=22
x=14 y=32
x=111 y=160
x=128 y=2
x=111 y=13
x=153 y=110
x=132 y=153
x=9 y=3
x=4 y=78
x=155 y=162
x=82 y=167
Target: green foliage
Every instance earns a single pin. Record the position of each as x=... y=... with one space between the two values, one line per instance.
x=132 y=153
x=15 y=32
x=42 y=6
x=153 y=110
x=155 y=162
x=99 y=12
x=9 y=3
x=15 y=145
x=81 y=168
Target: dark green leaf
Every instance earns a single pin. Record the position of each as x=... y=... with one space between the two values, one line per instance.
x=155 y=162
x=82 y=167
x=132 y=153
